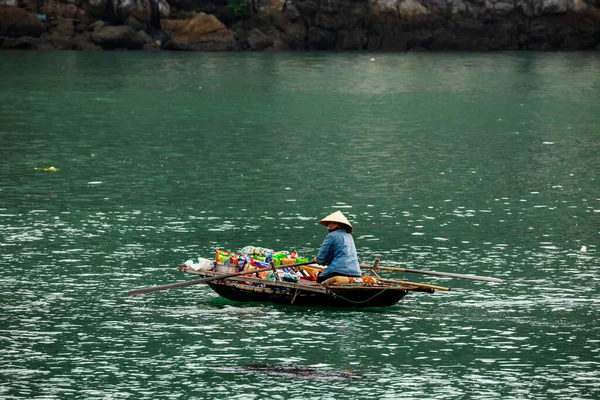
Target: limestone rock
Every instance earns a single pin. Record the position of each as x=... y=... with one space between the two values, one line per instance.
x=24 y=42
x=320 y=39
x=59 y=41
x=139 y=13
x=17 y=22
x=273 y=36
x=118 y=37
x=202 y=33
x=351 y=40
x=62 y=27
x=269 y=6
x=67 y=9
x=258 y=40
x=97 y=25
x=275 y=31
x=383 y=6
x=534 y=8
x=412 y=9
x=84 y=42
x=502 y=7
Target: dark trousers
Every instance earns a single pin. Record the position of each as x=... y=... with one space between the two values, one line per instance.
x=322 y=277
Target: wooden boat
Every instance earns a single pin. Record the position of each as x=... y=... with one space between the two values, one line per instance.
x=307 y=293
x=246 y=286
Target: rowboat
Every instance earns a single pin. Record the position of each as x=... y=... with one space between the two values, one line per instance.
x=246 y=288
x=262 y=282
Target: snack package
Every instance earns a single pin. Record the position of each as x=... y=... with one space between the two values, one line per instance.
x=288 y=277
x=259 y=264
x=241 y=262
x=369 y=279
x=288 y=260
x=277 y=257
x=312 y=273
x=264 y=275
x=223 y=255
x=252 y=250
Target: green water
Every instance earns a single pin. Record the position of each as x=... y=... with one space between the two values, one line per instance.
x=466 y=163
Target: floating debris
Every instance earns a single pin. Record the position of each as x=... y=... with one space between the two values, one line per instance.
x=46 y=169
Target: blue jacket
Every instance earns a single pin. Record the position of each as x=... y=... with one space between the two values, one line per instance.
x=339 y=254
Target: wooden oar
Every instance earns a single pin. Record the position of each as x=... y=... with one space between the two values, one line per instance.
x=449 y=274
x=136 y=292
x=423 y=285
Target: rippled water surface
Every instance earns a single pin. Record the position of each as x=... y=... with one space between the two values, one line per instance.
x=467 y=163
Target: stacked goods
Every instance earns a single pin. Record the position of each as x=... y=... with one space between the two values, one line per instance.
x=251 y=257
x=258 y=257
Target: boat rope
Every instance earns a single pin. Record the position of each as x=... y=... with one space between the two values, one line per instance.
x=359 y=302
x=295 y=294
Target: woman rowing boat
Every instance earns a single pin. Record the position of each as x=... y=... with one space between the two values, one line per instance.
x=338 y=251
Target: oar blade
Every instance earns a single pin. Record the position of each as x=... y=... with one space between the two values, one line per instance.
x=152 y=289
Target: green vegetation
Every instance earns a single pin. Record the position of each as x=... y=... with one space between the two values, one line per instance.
x=238 y=9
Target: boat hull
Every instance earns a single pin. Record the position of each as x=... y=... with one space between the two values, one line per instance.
x=338 y=297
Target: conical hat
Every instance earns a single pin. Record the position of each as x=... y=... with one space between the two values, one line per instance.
x=337 y=217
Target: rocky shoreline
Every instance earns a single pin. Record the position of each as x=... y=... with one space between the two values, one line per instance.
x=289 y=25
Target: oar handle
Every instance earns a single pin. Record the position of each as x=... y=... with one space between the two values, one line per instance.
x=137 y=292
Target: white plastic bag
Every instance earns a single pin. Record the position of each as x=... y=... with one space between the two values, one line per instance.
x=204 y=264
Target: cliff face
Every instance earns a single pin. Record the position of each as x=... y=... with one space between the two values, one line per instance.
x=374 y=25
